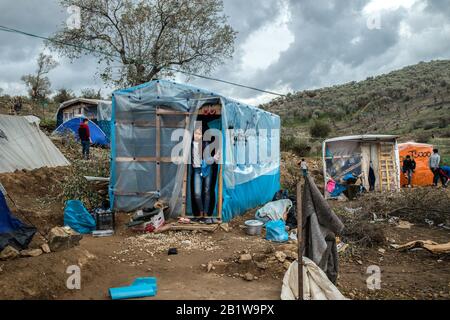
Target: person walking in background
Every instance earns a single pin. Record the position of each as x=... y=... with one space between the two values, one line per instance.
x=409 y=165
x=372 y=177
x=85 y=138
x=435 y=162
x=304 y=166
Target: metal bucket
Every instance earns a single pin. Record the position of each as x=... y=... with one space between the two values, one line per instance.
x=253 y=227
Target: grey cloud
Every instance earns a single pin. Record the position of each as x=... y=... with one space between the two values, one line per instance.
x=322 y=53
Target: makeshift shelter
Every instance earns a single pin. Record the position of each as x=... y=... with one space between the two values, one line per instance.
x=97 y=135
x=421 y=153
x=24 y=146
x=104 y=117
x=354 y=155
x=88 y=108
x=151 y=138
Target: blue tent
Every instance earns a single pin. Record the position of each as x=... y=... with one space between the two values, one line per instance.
x=12 y=231
x=146 y=123
x=72 y=125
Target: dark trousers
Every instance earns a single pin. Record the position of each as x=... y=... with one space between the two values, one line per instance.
x=202 y=191
x=438 y=176
x=85 y=148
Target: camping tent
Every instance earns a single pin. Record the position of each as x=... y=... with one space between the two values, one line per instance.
x=150 y=120
x=24 y=146
x=71 y=126
x=421 y=153
x=12 y=231
x=104 y=117
x=353 y=155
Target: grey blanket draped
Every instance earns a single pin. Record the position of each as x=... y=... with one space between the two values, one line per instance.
x=320 y=227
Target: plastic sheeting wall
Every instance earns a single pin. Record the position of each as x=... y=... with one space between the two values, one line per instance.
x=25 y=146
x=133 y=148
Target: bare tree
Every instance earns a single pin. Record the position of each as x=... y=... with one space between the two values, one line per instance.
x=137 y=40
x=39 y=84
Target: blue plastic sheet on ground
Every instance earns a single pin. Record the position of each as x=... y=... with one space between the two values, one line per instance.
x=276 y=231
x=78 y=218
x=12 y=231
x=338 y=189
x=140 y=288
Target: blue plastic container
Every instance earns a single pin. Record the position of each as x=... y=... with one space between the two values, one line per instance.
x=141 y=288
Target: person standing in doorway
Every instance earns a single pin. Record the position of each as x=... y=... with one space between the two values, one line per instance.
x=85 y=138
x=409 y=165
x=372 y=177
x=304 y=166
x=202 y=162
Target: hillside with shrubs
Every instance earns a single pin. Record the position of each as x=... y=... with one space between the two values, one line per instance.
x=413 y=102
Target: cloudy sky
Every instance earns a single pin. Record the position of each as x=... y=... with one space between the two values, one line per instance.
x=282 y=46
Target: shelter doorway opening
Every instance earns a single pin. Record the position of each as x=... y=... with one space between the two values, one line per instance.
x=204 y=181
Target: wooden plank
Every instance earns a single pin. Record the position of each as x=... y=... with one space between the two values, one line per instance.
x=185 y=178
x=300 y=240
x=152 y=124
x=220 y=193
x=158 y=151
x=149 y=159
x=160 y=112
x=151 y=193
x=193 y=227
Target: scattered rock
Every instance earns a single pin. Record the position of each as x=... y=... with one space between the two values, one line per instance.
x=281 y=256
x=382 y=251
x=225 y=227
x=359 y=262
x=245 y=258
x=286 y=265
x=291 y=255
x=249 y=277
x=261 y=265
x=9 y=253
x=45 y=248
x=31 y=253
x=210 y=266
x=60 y=238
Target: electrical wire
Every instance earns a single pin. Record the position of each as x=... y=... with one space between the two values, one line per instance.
x=191 y=74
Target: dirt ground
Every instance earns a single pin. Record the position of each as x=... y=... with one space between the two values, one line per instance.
x=118 y=260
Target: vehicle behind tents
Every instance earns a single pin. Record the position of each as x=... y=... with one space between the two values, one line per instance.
x=146 y=122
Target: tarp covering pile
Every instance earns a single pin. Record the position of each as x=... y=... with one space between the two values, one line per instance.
x=134 y=114
x=320 y=227
x=24 y=146
x=316 y=285
x=12 y=231
x=71 y=126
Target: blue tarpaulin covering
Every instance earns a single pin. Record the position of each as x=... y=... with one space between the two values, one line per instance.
x=97 y=134
x=245 y=131
x=78 y=218
x=12 y=231
x=276 y=231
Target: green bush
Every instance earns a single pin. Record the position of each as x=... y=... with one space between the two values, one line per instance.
x=319 y=129
x=295 y=145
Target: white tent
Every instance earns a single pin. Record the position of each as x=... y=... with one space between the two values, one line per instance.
x=24 y=146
